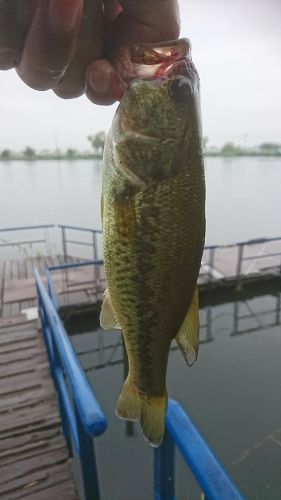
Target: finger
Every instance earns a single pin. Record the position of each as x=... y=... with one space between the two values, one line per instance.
x=147 y=21
x=144 y=21
x=102 y=83
x=112 y=9
x=15 y=18
x=50 y=42
x=88 y=48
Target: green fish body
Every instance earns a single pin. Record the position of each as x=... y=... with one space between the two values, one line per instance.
x=153 y=213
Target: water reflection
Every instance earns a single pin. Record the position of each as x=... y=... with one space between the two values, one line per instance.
x=98 y=349
x=230 y=393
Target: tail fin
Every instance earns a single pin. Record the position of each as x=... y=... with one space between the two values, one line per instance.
x=150 y=411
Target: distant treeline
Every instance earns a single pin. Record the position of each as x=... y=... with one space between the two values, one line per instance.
x=97 y=141
x=232 y=149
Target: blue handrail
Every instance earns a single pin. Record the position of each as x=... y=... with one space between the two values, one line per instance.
x=82 y=416
x=21 y=228
x=87 y=419
x=210 y=474
x=73 y=265
x=80 y=228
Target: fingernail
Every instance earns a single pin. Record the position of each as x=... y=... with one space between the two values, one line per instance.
x=100 y=80
x=64 y=14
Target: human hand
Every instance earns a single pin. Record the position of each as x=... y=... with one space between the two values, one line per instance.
x=58 y=44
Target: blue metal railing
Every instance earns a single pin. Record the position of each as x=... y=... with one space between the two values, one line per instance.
x=81 y=415
x=30 y=241
x=66 y=267
x=213 y=479
x=93 y=244
x=180 y=431
x=240 y=256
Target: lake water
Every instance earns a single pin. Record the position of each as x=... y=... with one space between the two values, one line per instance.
x=243 y=196
x=231 y=393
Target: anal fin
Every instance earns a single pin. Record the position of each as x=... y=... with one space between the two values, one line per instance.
x=108 y=318
x=188 y=335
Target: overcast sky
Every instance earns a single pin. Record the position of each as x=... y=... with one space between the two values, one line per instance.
x=236 y=48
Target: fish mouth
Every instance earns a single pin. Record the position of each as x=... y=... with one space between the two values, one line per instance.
x=150 y=61
x=161 y=61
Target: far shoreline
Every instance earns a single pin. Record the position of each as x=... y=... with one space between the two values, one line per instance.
x=99 y=157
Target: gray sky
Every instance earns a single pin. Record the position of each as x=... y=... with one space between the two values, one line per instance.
x=236 y=48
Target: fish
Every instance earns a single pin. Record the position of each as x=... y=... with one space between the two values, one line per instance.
x=153 y=217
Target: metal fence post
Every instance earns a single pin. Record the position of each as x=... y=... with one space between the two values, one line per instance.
x=64 y=243
x=211 y=264
x=95 y=250
x=239 y=260
x=164 y=466
x=95 y=255
x=64 y=422
x=88 y=462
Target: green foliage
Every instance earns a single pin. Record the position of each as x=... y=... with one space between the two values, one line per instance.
x=270 y=148
x=6 y=154
x=29 y=153
x=230 y=149
x=71 y=153
x=97 y=142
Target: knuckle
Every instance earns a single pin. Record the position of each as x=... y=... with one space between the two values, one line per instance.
x=8 y=58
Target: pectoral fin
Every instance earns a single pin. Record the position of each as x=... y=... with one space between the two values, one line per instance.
x=188 y=336
x=108 y=318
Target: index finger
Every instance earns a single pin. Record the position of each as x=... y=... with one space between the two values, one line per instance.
x=148 y=20
x=138 y=21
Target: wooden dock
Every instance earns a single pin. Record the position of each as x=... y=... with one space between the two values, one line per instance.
x=81 y=286
x=18 y=290
x=33 y=456
x=34 y=461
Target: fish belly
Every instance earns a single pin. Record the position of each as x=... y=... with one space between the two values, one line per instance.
x=153 y=244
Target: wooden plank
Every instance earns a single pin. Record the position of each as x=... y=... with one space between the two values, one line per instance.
x=8 y=270
x=22 y=367
x=18 y=384
x=16 y=346
x=16 y=336
x=19 y=319
x=25 y=440
x=6 y=309
x=33 y=449
x=25 y=415
x=30 y=397
x=19 y=355
x=33 y=455
x=25 y=467
x=65 y=490
x=2 y=278
x=38 y=483
x=22 y=269
x=29 y=268
x=15 y=269
x=54 y=421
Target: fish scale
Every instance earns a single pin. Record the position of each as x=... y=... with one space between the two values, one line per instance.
x=154 y=227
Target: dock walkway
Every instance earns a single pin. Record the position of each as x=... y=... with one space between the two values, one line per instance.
x=18 y=291
x=33 y=455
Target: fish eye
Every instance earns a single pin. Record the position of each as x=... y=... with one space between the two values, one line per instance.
x=180 y=89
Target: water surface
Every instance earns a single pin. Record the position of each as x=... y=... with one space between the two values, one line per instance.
x=243 y=195
x=231 y=393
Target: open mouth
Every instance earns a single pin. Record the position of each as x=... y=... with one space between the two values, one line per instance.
x=150 y=61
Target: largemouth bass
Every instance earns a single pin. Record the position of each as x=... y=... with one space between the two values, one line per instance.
x=154 y=224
